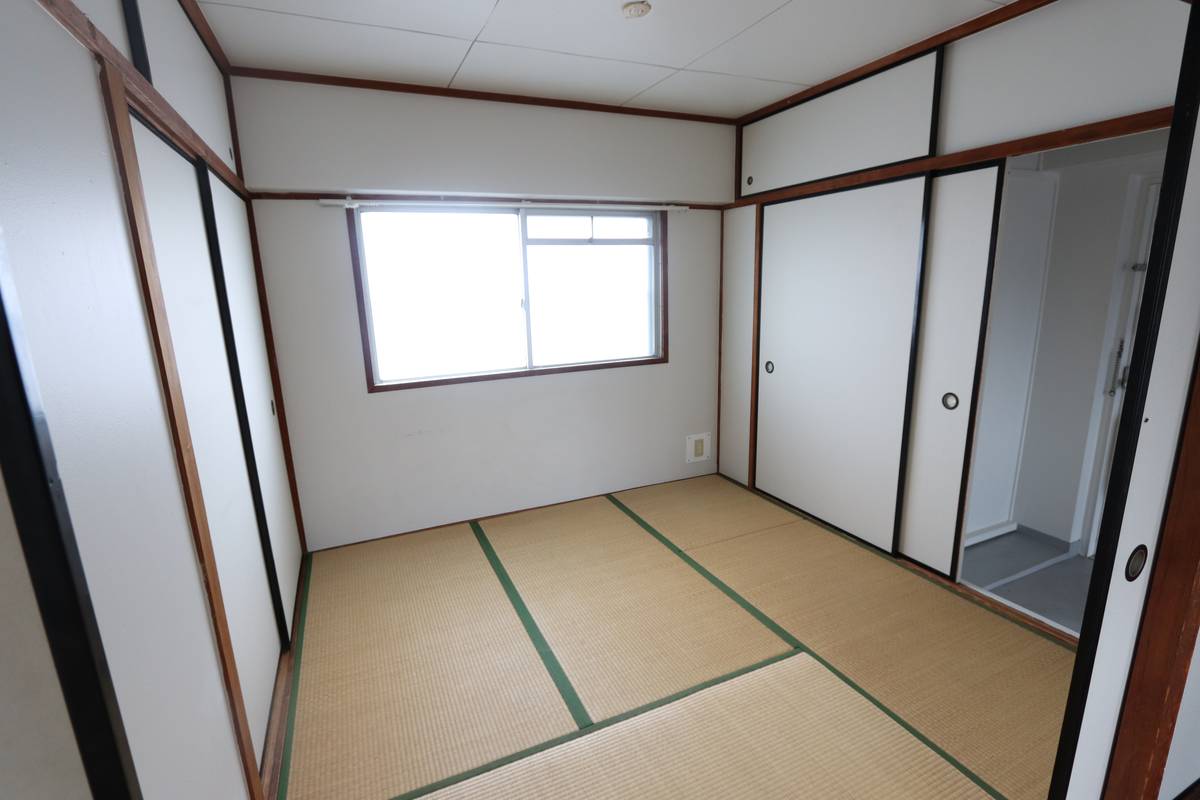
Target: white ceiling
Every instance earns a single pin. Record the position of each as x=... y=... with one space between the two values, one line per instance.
x=719 y=57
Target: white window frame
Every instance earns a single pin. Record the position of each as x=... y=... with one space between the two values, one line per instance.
x=658 y=310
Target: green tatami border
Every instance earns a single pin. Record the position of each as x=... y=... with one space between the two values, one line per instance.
x=285 y=765
x=593 y=728
x=803 y=648
x=557 y=674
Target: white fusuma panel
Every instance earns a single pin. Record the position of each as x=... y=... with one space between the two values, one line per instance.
x=961 y=215
x=877 y=120
x=839 y=279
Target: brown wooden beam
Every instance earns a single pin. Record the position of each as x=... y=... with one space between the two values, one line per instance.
x=205 y=32
x=113 y=82
x=468 y=94
x=140 y=95
x=983 y=22
x=1080 y=134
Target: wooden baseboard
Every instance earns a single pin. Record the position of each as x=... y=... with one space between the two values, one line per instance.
x=281 y=700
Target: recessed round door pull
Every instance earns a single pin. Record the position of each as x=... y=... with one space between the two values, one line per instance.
x=950 y=401
x=1136 y=562
x=769 y=367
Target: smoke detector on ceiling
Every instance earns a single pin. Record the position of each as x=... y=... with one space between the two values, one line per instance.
x=635 y=10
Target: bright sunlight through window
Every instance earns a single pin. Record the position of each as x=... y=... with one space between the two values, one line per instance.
x=454 y=292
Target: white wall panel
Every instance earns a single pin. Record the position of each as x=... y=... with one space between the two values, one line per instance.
x=184 y=72
x=181 y=250
x=956 y=271
x=1183 y=766
x=839 y=283
x=306 y=137
x=1068 y=63
x=1152 y=468
x=737 y=332
x=1018 y=282
x=877 y=120
x=375 y=464
x=241 y=288
x=64 y=228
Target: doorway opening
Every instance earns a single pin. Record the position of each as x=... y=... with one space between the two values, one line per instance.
x=1071 y=252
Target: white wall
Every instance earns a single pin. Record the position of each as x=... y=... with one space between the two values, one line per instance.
x=1183 y=762
x=1152 y=468
x=109 y=18
x=1068 y=63
x=308 y=137
x=1093 y=226
x=375 y=464
x=182 y=70
x=185 y=272
x=737 y=333
x=84 y=318
x=241 y=289
x=38 y=754
x=1018 y=279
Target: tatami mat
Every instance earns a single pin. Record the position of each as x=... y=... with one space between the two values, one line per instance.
x=414 y=667
x=628 y=620
x=788 y=730
x=988 y=691
x=704 y=510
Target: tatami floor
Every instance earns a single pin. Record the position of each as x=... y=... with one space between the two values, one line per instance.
x=688 y=639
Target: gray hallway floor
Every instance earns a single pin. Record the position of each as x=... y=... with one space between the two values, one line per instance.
x=1010 y=567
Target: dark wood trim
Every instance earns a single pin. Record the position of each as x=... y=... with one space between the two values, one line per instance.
x=1171 y=613
x=720 y=334
x=138 y=92
x=737 y=162
x=1171 y=195
x=213 y=236
x=977 y=380
x=369 y=197
x=752 y=467
x=43 y=523
x=664 y=306
x=281 y=695
x=196 y=16
x=959 y=31
x=137 y=37
x=364 y=329
x=468 y=94
x=1080 y=134
x=276 y=382
x=1170 y=621
x=121 y=130
x=360 y=297
x=910 y=385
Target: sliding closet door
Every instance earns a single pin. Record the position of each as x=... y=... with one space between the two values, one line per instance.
x=839 y=281
x=961 y=218
x=185 y=271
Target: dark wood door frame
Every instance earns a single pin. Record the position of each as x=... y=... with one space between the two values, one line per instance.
x=1168 y=630
x=1171 y=614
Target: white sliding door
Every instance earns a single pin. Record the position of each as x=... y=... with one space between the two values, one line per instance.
x=839 y=279
x=233 y=232
x=956 y=273
x=185 y=271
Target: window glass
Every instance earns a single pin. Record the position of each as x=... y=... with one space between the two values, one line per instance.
x=445 y=293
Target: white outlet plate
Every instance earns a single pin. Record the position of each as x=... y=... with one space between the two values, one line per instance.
x=697 y=447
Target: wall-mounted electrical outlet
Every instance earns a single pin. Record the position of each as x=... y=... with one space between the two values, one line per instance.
x=696 y=447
